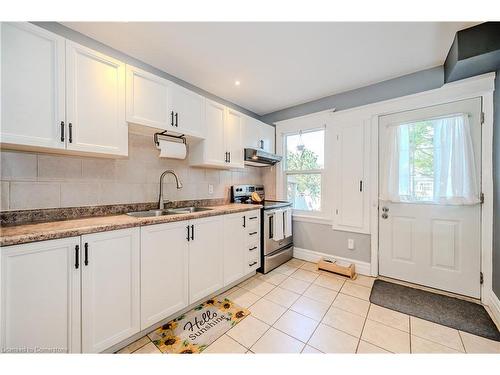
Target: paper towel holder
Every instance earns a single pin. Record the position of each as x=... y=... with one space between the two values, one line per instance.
x=164 y=134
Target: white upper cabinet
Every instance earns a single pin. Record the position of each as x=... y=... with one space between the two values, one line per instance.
x=351 y=160
x=110 y=288
x=95 y=99
x=186 y=111
x=40 y=305
x=147 y=99
x=233 y=129
x=258 y=135
x=223 y=143
x=164 y=271
x=32 y=87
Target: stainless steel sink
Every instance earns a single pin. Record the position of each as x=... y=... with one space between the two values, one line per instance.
x=168 y=211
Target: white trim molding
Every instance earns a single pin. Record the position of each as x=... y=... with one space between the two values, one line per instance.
x=362 y=268
x=493 y=304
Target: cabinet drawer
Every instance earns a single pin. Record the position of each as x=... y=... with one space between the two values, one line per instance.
x=252 y=222
x=253 y=236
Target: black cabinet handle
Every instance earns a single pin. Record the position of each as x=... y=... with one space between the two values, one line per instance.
x=252 y=264
x=229 y=153
x=192 y=232
x=187 y=227
x=244 y=221
x=172 y=118
x=261 y=142
x=176 y=119
x=77 y=256
x=252 y=233
x=226 y=159
x=360 y=185
x=70 y=125
x=86 y=261
x=62 y=131
x=252 y=248
x=252 y=218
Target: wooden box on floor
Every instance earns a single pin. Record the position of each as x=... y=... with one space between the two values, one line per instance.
x=346 y=269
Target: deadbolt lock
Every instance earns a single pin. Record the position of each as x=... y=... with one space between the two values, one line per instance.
x=385 y=209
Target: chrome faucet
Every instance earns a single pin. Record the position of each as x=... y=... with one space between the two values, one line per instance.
x=161 y=200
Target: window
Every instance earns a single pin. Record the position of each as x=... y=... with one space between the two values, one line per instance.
x=304 y=166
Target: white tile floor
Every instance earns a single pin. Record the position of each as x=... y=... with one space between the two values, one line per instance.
x=296 y=309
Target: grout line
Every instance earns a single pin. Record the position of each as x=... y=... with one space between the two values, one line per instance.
x=462 y=341
x=363 y=328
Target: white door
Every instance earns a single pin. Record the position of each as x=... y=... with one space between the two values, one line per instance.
x=95 y=99
x=214 y=152
x=267 y=136
x=164 y=271
x=206 y=257
x=32 y=86
x=110 y=288
x=429 y=226
x=233 y=138
x=187 y=108
x=41 y=296
x=234 y=246
x=251 y=133
x=147 y=99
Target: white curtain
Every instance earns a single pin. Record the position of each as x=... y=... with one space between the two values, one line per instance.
x=455 y=181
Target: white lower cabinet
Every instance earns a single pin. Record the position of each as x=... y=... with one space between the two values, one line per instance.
x=164 y=271
x=234 y=247
x=40 y=290
x=110 y=288
x=206 y=274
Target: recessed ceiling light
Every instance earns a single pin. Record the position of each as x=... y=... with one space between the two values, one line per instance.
x=236 y=83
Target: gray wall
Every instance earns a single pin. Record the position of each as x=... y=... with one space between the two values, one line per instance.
x=321 y=238
x=496 y=187
x=84 y=40
x=394 y=88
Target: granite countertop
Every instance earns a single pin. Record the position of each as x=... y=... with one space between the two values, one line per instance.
x=24 y=233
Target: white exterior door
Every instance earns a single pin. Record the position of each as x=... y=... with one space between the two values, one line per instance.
x=164 y=271
x=206 y=263
x=110 y=288
x=32 y=86
x=234 y=246
x=41 y=296
x=95 y=99
x=421 y=241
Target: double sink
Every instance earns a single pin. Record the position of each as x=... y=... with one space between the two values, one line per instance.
x=168 y=211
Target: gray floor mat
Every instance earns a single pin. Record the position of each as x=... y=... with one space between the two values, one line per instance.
x=449 y=311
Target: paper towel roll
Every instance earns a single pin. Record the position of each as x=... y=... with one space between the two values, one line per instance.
x=172 y=150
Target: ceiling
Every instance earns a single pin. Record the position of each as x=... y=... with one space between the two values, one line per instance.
x=279 y=64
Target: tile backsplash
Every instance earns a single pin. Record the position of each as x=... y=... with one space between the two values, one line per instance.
x=31 y=180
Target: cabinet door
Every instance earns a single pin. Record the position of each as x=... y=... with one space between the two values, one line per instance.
x=251 y=133
x=110 y=288
x=267 y=136
x=147 y=99
x=351 y=157
x=214 y=152
x=95 y=98
x=233 y=138
x=164 y=271
x=234 y=247
x=187 y=107
x=41 y=296
x=32 y=86
x=205 y=257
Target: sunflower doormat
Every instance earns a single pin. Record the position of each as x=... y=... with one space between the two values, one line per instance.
x=194 y=331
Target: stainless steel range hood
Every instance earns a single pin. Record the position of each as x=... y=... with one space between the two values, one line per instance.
x=259 y=158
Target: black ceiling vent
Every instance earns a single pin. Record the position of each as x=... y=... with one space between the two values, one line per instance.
x=474 y=51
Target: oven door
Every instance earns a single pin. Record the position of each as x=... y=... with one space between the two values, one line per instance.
x=271 y=245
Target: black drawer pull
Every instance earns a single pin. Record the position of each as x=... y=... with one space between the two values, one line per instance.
x=252 y=264
x=86 y=262
x=252 y=248
x=252 y=218
x=77 y=257
x=252 y=233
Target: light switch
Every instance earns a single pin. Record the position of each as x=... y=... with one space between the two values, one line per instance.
x=350 y=244
x=210 y=189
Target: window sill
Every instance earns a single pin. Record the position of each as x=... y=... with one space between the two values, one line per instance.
x=312 y=219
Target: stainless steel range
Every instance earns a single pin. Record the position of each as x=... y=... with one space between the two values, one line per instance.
x=275 y=250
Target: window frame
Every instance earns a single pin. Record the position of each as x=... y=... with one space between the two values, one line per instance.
x=322 y=171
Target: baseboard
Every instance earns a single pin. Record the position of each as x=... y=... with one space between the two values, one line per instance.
x=362 y=268
x=494 y=307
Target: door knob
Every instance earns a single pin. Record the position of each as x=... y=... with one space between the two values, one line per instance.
x=384 y=216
